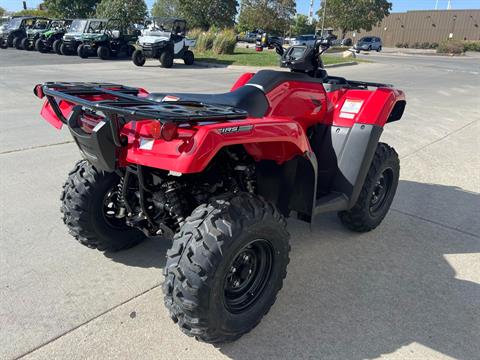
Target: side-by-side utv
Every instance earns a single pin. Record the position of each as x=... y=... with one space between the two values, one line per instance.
x=73 y=39
x=16 y=31
x=57 y=29
x=116 y=39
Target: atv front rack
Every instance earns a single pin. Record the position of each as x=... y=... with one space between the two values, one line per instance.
x=115 y=105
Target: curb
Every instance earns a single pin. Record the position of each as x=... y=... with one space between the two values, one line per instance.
x=243 y=67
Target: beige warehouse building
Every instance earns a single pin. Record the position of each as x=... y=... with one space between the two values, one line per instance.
x=425 y=26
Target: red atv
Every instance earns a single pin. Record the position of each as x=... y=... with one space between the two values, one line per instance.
x=220 y=173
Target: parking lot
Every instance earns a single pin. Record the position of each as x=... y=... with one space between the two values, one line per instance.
x=408 y=290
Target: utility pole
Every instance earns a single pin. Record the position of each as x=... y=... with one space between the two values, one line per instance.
x=436 y=5
x=310 y=13
x=323 y=16
x=449 y=5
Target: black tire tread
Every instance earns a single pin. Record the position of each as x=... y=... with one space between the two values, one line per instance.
x=75 y=195
x=206 y=233
x=355 y=218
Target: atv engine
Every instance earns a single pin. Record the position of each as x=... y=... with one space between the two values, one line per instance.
x=157 y=202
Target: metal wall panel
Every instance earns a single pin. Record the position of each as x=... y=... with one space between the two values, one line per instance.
x=425 y=26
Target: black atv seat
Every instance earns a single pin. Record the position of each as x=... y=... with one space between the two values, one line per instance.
x=248 y=98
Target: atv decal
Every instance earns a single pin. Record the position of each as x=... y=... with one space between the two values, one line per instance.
x=170 y=98
x=235 y=129
x=352 y=106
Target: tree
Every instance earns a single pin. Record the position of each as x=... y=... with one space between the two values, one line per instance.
x=166 y=8
x=127 y=11
x=273 y=16
x=71 y=9
x=2 y=11
x=33 y=12
x=301 y=25
x=354 y=15
x=207 y=13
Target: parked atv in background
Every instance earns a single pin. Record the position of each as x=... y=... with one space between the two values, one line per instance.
x=16 y=31
x=33 y=33
x=114 y=40
x=220 y=173
x=73 y=38
x=164 y=39
x=53 y=35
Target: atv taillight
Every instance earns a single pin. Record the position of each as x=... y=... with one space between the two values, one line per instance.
x=37 y=90
x=167 y=131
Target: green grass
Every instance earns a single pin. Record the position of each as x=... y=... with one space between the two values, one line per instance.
x=250 y=57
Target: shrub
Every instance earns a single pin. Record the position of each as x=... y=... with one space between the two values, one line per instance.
x=416 y=45
x=406 y=46
x=399 y=45
x=450 y=47
x=425 y=45
x=205 y=41
x=433 y=45
x=471 y=45
x=225 y=42
x=194 y=33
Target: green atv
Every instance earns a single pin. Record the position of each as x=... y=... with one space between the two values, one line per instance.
x=52 y=36
x=33 y=33
x=114 y=39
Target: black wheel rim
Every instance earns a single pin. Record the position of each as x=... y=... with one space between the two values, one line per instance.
x=381 y=192
x=248 y=275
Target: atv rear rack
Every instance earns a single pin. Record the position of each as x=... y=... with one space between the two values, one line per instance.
x=123 y=101
x=119 y=105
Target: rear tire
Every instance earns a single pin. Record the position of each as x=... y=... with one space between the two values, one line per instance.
x=3 y=44
x=26 y=45
x=226 y=265
x=103 y=52
x=82 y=52
x=138 y=58
x=377 y=192
x=17 y=43
x=40 y=46
x=64 y=50
x=83 y=206
x=166 y=59
x=56 y=47
x=379 y=49
x=188 y=57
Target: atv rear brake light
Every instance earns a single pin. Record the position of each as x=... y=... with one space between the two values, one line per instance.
x=37 y=90
x=167 y=131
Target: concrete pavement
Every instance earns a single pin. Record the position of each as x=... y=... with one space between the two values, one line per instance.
x=408 y=290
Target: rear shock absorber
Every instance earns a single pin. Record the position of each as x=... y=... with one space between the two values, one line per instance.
x=120 y=198
x=174 y=204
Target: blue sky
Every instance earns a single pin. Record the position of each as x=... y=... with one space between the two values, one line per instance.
x=303 y=5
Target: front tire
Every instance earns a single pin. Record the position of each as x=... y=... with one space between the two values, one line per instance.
x=379 y=49
x=377 y=192
x=56 y=47
x=226 y=265
x=86 y=212
x=138 y=58
x=166 y=59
